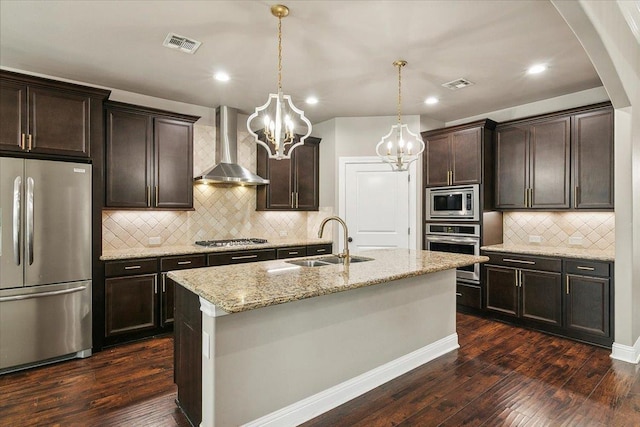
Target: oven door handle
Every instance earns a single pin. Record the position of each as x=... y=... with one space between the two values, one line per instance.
x=452 y=239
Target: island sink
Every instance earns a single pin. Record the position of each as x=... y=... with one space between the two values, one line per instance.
x=328 y=260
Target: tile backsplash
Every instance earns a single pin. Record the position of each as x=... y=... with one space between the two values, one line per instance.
x=220 y=211
x=592 y=230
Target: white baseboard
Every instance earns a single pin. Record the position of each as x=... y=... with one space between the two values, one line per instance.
x=630 y=354
x=330 y=398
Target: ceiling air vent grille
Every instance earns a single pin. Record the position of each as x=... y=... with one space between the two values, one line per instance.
x=457 y=84
x=184 y=44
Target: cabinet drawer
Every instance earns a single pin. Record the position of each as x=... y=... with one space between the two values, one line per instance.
x=293 y=252
x=241 y=256
x=182 y=262
x=587 y=268
x=319 y=249
x=468 y=295
x=525 y=261
x=130 y=267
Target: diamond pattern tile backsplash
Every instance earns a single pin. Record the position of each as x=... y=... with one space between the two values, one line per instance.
x=597 y=229
x=221 y=212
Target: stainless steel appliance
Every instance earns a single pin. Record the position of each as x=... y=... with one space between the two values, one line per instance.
x=459 y=203
x=231 y=242
x=45 y=261
x=456 y=238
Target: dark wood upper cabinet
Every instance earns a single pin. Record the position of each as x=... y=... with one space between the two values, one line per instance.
x=293 y=183
x=46 y=117
x=557 y=161
x=592 y=148
x=149 y=158
x=454 y=156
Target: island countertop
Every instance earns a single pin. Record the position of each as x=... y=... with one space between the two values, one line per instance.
x=240 y=287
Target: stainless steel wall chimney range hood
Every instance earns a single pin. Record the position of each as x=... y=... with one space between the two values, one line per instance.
x=226 y=170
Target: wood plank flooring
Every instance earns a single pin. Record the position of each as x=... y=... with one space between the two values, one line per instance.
x=501 y=376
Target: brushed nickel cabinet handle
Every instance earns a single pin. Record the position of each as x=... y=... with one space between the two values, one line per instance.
x=458 y=294
x=23 y=141
x=519 y=261
x=244 y=257
x=292 y=205
x=17 y=218
x=184 y=262
x=297 y=202
x=567 y=285
x=526 y=197
x=156 y=202
x=321 y=250
x=575 y=197
x=132 y=267
x=30 y=142
x=585 y=268
x=155 y=285
x=164 y=283
x=530 y=197
x=148 y=196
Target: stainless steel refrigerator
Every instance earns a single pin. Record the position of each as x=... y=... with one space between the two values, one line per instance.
x=45 y=261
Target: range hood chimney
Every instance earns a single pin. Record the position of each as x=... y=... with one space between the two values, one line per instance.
x=227 y=170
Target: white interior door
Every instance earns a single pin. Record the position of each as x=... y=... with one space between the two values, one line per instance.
x=377 y=204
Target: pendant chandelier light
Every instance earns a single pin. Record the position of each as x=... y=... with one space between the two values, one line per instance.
x=278 y=119
x=400 y=147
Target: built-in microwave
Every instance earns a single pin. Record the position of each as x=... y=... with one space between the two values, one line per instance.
x=459 y=203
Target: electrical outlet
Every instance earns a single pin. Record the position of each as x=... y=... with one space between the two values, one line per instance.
x=154 y=241
x=535 y=239
x=575 y=240
x=283 y=233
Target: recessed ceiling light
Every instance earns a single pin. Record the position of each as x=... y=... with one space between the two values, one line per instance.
x=431 y=100
x=221 y=76
x=312 y=100
x=536 y=69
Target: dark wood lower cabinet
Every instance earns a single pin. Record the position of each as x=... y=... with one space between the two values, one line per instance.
x=573 y=299
x=188 y=353
x=130 y=304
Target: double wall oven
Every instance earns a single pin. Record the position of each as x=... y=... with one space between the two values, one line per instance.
x=452 y=216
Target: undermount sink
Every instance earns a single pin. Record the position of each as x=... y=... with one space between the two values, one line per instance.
x=327 y=260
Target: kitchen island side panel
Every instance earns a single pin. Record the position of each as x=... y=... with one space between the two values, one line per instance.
x=265 y=359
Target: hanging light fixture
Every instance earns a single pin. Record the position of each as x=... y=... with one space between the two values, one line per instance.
x=400 y=147
x=278 y=119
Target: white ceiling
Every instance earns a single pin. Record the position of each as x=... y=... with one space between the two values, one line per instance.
x=338 y=51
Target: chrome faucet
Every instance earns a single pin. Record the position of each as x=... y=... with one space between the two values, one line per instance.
x=345 y=253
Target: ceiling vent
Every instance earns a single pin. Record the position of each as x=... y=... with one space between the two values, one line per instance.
x=457 y=84
x=181 y=43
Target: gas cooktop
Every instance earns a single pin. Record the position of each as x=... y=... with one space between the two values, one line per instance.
x=231 y=242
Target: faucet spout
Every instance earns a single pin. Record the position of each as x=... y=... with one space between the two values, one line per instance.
x=345 y=253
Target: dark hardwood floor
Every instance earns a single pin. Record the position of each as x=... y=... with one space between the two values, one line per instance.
x=500 y=376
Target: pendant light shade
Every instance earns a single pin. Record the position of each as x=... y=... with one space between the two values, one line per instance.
x=280 y=125
x=400 y=147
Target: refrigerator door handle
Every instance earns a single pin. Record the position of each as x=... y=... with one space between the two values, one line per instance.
x=29 y=225
x=42 y=294
x=17 y=191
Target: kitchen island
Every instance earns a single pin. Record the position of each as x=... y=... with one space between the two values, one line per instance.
x=280 y=343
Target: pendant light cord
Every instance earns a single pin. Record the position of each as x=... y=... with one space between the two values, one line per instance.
x=399 y=91
x=279 y=54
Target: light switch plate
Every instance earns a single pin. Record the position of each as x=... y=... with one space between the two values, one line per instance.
x=535 y=239
x=575 y=240
x=155 y=241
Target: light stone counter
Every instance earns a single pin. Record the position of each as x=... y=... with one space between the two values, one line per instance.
x=579 y=253
x=241 y=287
x=158 y=251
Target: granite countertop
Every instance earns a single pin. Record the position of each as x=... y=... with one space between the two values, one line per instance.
x=241 y=287
x=580 y=253
x=195 y=249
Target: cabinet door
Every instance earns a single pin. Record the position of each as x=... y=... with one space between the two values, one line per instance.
x=512 y=167
x=541 y=296
x=502 y=293
x=130 y=304
x=592 y=147
x=278 y=194
x=306 y=175
x=128 y=159
x=13 y=115
x=587 y=305
x=436 y=165
x=466 y=153
x=59 y=122
x=173 y=153
x=168 y=301
x=549 y=162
